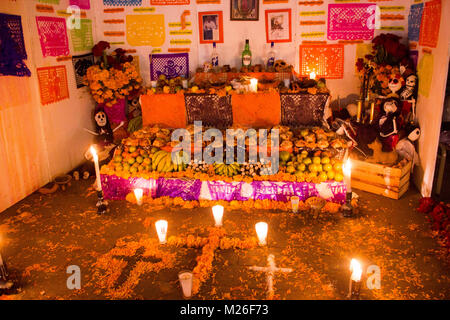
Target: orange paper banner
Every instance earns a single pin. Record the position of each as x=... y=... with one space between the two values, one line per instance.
x=52 y=84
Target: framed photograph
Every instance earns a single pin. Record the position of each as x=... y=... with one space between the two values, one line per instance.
x=244 y=10
x=278 y=25
x=210 y=26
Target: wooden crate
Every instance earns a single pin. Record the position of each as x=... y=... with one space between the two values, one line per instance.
x=380 y=179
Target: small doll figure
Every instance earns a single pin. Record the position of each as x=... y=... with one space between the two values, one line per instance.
x=408 y=95
x=388 y=124
x=104 y=142
x=103 y=131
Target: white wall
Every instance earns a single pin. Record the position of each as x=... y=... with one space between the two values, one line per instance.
x=429 y=109
x=39 y=142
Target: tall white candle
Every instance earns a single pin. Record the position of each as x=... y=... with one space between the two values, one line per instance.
x=254 y=85
x=347 y=170
x=97 y=168
x=355 y=268
x=138 y=193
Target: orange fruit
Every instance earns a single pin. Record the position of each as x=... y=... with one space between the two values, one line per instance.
x=338 y=177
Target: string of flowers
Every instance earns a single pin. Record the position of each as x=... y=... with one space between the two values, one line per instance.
x=113 y=77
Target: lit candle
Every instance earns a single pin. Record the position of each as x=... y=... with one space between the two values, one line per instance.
x=312 y=75
x=347 y=170
x=372 y=110
x=218 y=214
x=161 y=229
x=184 y=83
x=185 y=278
x=355 y=268
x=97 y=168
x=138 y=193
x=354 y=288
x=254 y=85
x=261 y=231
x=154 y=83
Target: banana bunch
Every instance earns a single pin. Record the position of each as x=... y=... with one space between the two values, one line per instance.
x=163 y=161
x=227 y=169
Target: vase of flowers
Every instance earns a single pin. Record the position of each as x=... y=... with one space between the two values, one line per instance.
x=112 y=80
x=389 y=59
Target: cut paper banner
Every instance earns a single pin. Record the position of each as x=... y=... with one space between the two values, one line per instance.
x=83 y=4
x=146 y=30
x=80 y=66
x=351 y=21
x=122 y=2
x=327 y=61
x=429 y=30
x=425 y=73
x=53 y=36
x=49 y=1
x=414 y=20
x=12 y=47
x=170 y=65
x=82 y=37
x=52 y=84
x=168 y=2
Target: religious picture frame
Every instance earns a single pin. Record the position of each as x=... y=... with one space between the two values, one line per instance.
x=210 y=25
x=278 y=25
x=244 y=10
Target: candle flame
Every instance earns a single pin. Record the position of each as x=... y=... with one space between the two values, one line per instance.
x=261 y=231
x=347 y=168
x=356 y=269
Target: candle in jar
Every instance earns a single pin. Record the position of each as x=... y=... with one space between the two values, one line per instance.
x=218 y=214
x=161 y=229
x=347 y=171
x=138 y=193
x=97 y=168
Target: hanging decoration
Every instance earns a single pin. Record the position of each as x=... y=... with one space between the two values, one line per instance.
x=425 y=73
x=169 y=65
x=52 y=84
x=122 y=2
x=327 y=61
x=53 y=36
x=169 y=2
x=83 y=4
x=146 y=30
x=82 y=37
x=12 y=47
x=80 y=65
x=431 y=19
x=414 y=19
x=351 y=21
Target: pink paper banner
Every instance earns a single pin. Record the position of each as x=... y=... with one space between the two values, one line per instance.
x=53 y=36
x=351 y=21
x=83 y=4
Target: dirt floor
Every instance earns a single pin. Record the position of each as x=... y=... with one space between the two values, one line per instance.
x=44 y=234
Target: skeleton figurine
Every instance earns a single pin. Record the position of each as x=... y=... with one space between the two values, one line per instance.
x=408 y=96
x=103 y=129
x=4 y=282
x=104 y=140
x=388 y=124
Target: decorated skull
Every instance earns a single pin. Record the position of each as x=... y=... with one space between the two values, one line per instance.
x=395 y=84
x=390 y=106
x=101 y=119
x=411 y=81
